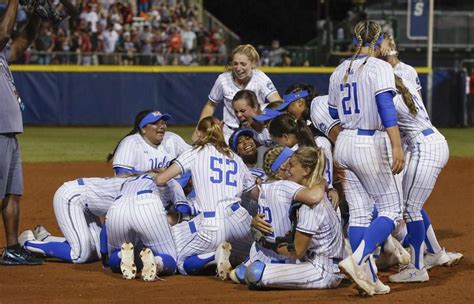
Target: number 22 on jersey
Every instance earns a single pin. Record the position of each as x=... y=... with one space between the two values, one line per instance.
x=350 y=98
x=220 y=168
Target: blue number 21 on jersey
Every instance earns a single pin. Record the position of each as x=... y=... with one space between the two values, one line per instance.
x=230 y=169
x=350 y=93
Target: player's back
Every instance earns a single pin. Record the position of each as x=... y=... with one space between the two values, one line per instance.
x=217 y=178
x=355 y=98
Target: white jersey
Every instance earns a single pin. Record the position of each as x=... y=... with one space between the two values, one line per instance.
x=355 y=99
x=322 y=222
x=274 y=202
x=217 y=179
x=134 y=153
x=407 y=72
x=325 y=145
x=320 y=116
x=225 y=88
x=411 y=126
x=264 y=138
x=96 y=194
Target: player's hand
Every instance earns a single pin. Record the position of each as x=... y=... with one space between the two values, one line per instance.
x=398 y=160
x=259 y=222
x=333 y=197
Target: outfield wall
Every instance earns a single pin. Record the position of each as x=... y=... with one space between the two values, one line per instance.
x=110 y=95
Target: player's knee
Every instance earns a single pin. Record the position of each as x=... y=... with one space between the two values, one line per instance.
x=240 y=273
x=391 y=215
x=254 y=274
x=168 y=262
x=412 y=214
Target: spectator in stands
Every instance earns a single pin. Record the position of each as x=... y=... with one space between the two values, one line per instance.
x=175 y=41
x=209 y=51
x=44 y=43
x=127 y=47
x=189 y=38
x=276 y=54
x=90 y=16
x=146 y=33
x=110 y=39
x=222 y=52
x=286 y=60
x=146 y=51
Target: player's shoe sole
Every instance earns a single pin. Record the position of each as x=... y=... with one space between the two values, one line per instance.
x=149 y=270
x=454 y=258
x=127 y=266
x=222 y=259
x=358 y=275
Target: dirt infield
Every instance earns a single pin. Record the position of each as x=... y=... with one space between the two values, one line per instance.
x=451 y=209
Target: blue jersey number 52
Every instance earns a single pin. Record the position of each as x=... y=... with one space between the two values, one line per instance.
x=218 y=167
x=350 y=93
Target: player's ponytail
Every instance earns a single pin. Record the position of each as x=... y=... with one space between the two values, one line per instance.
x=212 y=134
x=288 y=124
x=269 y=158
x=136 y=129
x=406 y=95
x=249 y=51
x=313 y=158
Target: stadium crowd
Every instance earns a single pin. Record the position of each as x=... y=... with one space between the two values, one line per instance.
x=159 y=32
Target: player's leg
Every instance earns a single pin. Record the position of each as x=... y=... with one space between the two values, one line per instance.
x=69 y=211
x=290 y=276
x=238 y=233
x=150 y=222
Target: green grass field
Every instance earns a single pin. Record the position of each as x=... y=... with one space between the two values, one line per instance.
x=61 y=144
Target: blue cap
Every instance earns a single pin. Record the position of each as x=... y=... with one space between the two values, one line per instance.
x=234 y=138
x=289 y=98
x=153 y=117
x=267 y=114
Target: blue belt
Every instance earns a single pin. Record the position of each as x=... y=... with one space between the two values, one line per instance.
x=144 y=192
x=365 y=132
x=80 y=182
x=208 y=214
x=427 y=132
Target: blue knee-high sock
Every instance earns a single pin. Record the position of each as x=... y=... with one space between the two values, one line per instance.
x=376 y=233
x=356 y=234
x=195 y=263
x=115 y=260
x=431 y=241
x=60 y=250
x=427 y=222
x=103 y=246
x=416 y=230
x=169 y=264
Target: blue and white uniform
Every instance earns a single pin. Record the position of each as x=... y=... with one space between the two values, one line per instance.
x=139 y=216
x=136 y=155
x=77 y=206
x=219 y=181
x=320 y=117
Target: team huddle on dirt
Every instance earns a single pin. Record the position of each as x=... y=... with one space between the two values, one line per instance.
x=299 y=192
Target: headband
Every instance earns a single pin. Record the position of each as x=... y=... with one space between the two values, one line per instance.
x=284 y=155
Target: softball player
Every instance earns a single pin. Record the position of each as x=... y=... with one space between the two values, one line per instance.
x=246 y=106
x=219 y=178
x=291 y=132
x=241 y=74
x=139 y=216
x=318 y=237
x=368 y=149
x=77 y=206
x=429 y=154
x=147 y=146
x=434 y=254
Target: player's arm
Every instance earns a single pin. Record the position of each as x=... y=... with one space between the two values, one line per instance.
x=170 y=172
x=25 y=38
x=274 y=97
x=7 y=22
x=388 y=115
x=301 y=243
x=313 y=195
x=208 y=109
x=334 y=132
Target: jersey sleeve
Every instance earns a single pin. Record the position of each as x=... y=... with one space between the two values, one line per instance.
x=181 y=145
x=383 y=78
x=186 y=160
x=320 y=116
x=217 y=92
x=332 y=94
x=309 y=219
x=267 y=86
x=125 y=155
x=413 y=77
x=248 y=179
x=288 y=190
